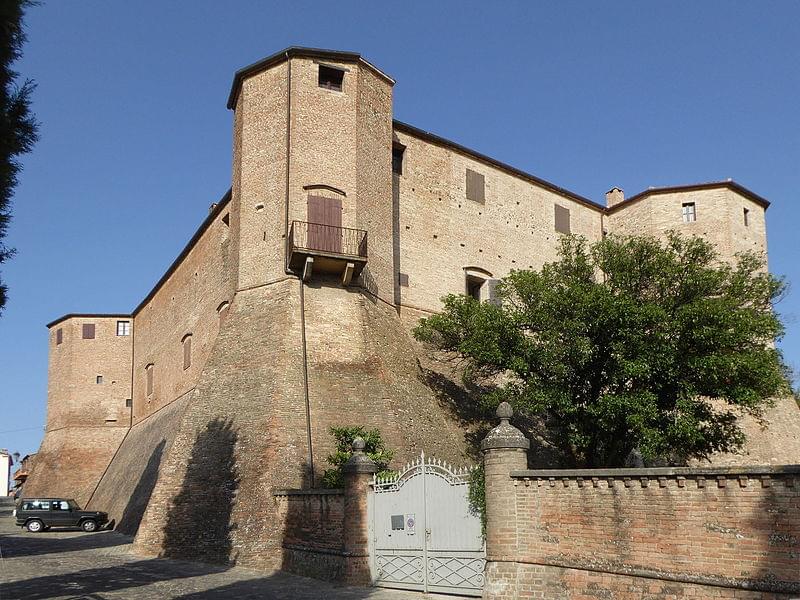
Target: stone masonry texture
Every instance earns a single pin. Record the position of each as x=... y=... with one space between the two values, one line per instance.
x=190 y=466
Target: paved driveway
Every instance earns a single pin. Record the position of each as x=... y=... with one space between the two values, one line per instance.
x=98 y=566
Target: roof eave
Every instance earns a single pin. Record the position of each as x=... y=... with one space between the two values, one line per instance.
x=740 y=189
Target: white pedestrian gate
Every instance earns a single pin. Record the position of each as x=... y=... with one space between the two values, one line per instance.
x=425 y=535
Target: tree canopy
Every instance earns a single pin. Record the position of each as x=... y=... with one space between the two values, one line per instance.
x=18 y=128
x=374 y=448
x=627 y=344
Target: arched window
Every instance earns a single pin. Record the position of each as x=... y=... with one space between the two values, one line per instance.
x=222 y=309
x=149 y=374
x=187 y=351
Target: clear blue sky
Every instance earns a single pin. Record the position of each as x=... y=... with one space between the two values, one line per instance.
x=136 y=140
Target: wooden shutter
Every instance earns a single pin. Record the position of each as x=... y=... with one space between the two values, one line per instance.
x=562 y=219
x=325 y=224
x=59 y=336
x=475 y=186
x=491 y=288
x=88 y=331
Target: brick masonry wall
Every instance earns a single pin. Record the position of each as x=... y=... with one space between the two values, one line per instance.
x=441 y=232
x=71 y=461
x=655 y=533
x=125 y=488
x=186 y=304
x=312 y=532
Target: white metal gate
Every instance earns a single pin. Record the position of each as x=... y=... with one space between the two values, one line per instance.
x=425 y=535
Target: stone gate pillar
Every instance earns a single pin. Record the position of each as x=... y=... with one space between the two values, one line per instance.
x=358 y=475
x=504 y=450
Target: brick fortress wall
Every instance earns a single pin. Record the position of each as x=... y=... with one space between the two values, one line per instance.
x=633 y=533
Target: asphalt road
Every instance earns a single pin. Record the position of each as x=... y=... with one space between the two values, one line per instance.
x=98 y=566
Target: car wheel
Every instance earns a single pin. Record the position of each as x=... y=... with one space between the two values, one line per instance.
x=34 y=525
x=88 y=525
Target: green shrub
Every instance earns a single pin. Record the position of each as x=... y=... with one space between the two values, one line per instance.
x=375 y=449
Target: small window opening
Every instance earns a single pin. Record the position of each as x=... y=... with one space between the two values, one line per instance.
x=88 y=331
x=474 y=285
x=222 y=309
x=397 y=159
x=99 y=379
x=111 y=420
x=187 y=351
x=562 y=224
x=59 y=336
x=123 y=327
x=149 y=370
x=330 y=78
x=476 y=186
x=402 y=279
x=746 y=215
x=689 y=212
x=227 y=219
x=128 y=402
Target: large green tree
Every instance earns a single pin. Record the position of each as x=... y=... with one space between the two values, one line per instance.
x=18 y=127
x=627 y=344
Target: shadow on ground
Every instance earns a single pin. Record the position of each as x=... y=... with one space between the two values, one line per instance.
x=48 y=543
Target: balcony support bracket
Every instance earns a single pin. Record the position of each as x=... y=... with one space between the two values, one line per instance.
x=308 y=268
x=347 y=276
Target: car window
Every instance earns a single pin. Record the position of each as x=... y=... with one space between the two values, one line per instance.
x=36 y=505
x=73 y=505
x=59 y=505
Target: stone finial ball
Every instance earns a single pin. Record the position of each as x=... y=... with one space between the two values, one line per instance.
x=359 y=444
x=504 y=411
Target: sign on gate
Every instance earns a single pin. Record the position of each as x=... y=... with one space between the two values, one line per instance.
x=425 y=535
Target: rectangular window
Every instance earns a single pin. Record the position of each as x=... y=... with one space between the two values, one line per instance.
x=99 y=379
x=402 y=279
x=397 y=159
x=187 y=352
x=128 y=403
x=123 y=327
x=562 y=219
x=746 y=215
x=88 y=331
x=474 y=285
x=475 y=186
x=149 y=370
x=689 y=212
x=59 y=336
x=331 y=78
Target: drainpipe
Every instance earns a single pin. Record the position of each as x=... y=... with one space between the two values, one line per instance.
x=305 y=382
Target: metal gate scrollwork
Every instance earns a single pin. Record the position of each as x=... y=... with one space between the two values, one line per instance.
x=425 y=535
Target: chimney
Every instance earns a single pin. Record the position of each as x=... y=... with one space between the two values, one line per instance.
x=214 y=205
x=614 y=196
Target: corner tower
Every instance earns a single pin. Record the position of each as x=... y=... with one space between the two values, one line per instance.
x=312 y=178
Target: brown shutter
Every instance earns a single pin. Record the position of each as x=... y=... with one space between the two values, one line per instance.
x=325 y=224
x=475 y=186
x=187 y=352
x=403 y=279
x=59 y=336
x=88 y=331
x=562 y=219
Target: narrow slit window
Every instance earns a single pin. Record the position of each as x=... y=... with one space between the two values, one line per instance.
x=397 y=159
x=59 y=336
x=331 y=78
x=187 y=351
x=99 y=379
x=149 y=370
x=128 y=403
x=123 y=328
x=746 y=216
x=689 y=212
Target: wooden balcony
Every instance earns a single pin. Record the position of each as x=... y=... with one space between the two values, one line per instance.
x=317 y=248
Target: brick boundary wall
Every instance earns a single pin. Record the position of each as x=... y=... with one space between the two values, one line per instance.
x=325 y=532
x=722 y=532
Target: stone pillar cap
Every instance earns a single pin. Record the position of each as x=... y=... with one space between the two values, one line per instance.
x=359 y=462
x=505 y=435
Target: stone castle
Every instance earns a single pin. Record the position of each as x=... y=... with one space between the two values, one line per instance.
x=289 y=310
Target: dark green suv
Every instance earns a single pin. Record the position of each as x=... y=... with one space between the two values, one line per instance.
x=37 y=514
